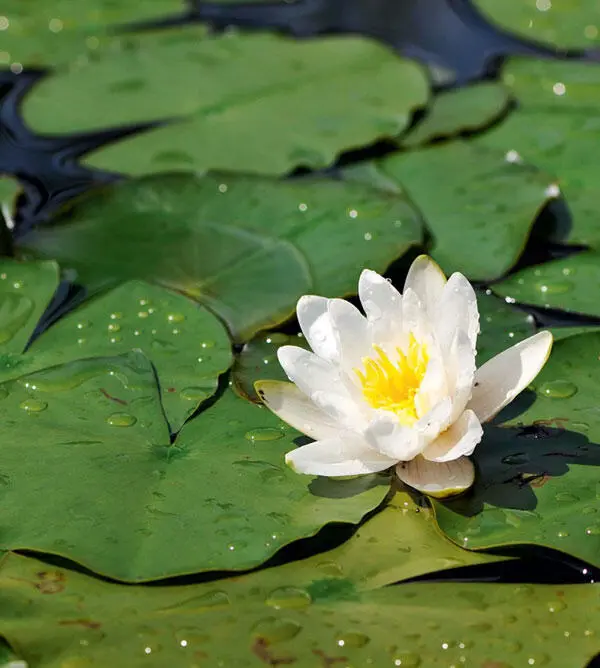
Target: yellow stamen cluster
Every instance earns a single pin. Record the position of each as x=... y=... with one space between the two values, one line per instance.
x=392 y=386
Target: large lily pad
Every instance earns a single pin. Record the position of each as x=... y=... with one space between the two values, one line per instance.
x=295 y=103
x=481 y=214
x=78 y=430
x=553 y=129
x=247 y=247
x=26 y=289
x=570 y=24
x=58 y=617
x=459 y=110
x=47 y=32
x=538 y=475
x=187 y=345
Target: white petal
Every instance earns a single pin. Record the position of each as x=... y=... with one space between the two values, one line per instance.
x=457 y=310
x=460 y=369
x=309 y=371
x=414 y=317
x=351 y=332
x=386 y=435
x=315 y=323
x=427 y=281
x=342 y=410
x=434 y=386
x=344 y=455
x=295 y=408
x=503 y=377
x=458 y=440
x=437 y=479
x=378 y=296
x=434 y=422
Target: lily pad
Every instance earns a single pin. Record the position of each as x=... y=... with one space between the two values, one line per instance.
x=247 y=247
x=326 y=623
x=295 y=103
x=480 y=215
x=566 y=24
x=94 y=425
x=26 y=289
x=185 y=342
x=570 y=284
x=48 y=32
x=459 y=110
x=538 y=474
x=9 y=189
x=553 y=129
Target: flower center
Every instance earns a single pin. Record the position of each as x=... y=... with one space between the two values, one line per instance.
x=392 y=386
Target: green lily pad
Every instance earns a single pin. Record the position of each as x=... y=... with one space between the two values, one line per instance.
x=480 y=215
x=459 y=110
x=9 y=189
x=247 y=247
x=553 y=129
x=564 y=332
x=566 y=24
x=185 y=342
x=295 y=102
x=570 y=284
x=538 y=474
x=26 y=289
x=48 y=32
x=197 y=505
x=326 y=623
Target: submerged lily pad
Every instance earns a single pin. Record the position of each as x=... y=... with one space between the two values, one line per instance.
x=553 y=129
x=566 y=24
x=247 y=247
x=295 y=102
x=185 y=342
x=325 y=621
x=479 y=207
x=538 y=474
x=78 y=430
x=459 y=110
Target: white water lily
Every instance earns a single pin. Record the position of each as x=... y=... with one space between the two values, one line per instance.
x=398 y=387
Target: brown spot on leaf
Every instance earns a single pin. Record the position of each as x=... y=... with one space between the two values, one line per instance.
x=86 y=623
x=260 y=647
x=329 y=661
x=540 y=481
x=50 y=582
x=171 y=389
x=115 y=399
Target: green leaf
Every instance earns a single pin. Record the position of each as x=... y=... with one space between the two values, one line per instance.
x=553 y=129
x=566 y=24
x=325 y=623
x=537 y=480
x=26 y=289
x=9 y=189
x=186 y=343
x=78 y=430
x=295 y=102
x=459 y=110
x=48 y=32
x=247 y=247
x=481 y=214
x=570 y=284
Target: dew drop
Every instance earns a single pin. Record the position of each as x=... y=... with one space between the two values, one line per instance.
x=163 y=346
x=288 y=597
x=121 y=420
x=265 y=434
x=193 y=393
x=556 y=606
x=84 y=324
x=116 y=316
x=554 y=287
x=190 y=637
x=558 y=389
x=566 y=497
x=275 y=629
x=212 y=599
x=354 y=639
x=175 y=317
x=593 y=530
x=331 y=568
x=114 y=327
x=33 y=405
x=406 y=659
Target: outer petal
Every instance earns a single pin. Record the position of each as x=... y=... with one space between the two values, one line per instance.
x=315 y=323
x=427 y=281
x=386 y=435
x=343 y=410
x=460 y=368
x=503 y=377
x=383 y=305
x=434 y=386
x=458 y=440
x=346 y=454
x=414 y=317
x=457 y=310
x=438 y=480
x=295 y=408
x=351 y=332
x=310 y=372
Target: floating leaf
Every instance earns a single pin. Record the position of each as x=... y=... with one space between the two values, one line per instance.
x=197 y=505
x=48 y=32
x=295 y=102
x=247 y=247
x=26 y=289
x=459 y=110
x=186 y=343
x=553 y=129
x=481 y=214
x=538 y=475
x=9 y=189
x=325 y=624
x=566 y=24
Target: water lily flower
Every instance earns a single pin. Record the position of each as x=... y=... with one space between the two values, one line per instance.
x=398 y=387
